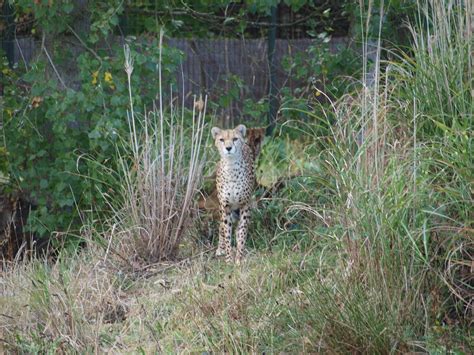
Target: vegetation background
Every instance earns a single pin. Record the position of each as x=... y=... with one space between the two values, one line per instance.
x=362 y=231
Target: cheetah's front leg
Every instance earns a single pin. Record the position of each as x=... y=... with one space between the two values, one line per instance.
x=242 y=229
x=225 y=235
x=221 y=244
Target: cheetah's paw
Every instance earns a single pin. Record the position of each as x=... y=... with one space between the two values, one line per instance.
x=220 y=252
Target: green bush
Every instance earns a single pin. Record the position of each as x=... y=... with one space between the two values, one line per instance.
x=57 y=137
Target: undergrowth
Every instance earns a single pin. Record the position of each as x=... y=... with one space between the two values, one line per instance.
x=365 y=247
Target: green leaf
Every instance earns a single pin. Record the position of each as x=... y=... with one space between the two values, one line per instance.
x=93 y=38
x=60 y=186
x=95 y=134
x=43 y=183
x=68 y=7
x=116 y=100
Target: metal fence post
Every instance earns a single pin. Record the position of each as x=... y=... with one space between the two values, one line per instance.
x=9 y=32
x=272 y=99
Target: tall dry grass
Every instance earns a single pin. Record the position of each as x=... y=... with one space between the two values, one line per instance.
x=395 y=177
x=161 y=166
x=59 y=307
x=440 y=78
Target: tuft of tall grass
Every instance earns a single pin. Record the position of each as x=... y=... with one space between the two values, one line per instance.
x=395 y=170
x=161 y=166
x=60 y=307
x=371 y=299
x=440 y=73
x=440 y=80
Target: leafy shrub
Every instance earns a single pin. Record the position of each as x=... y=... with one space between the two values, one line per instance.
x=322 y=75
x=49 y=129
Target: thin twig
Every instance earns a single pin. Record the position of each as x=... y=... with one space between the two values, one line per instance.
x=21 y=52
x=94 y=53
x=54 y=67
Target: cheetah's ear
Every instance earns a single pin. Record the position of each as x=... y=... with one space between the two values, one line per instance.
x=215 y=131
x=241 y=129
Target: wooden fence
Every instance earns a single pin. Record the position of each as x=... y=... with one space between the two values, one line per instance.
x=210 y=63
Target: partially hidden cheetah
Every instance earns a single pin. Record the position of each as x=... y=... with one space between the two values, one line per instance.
x=235 y=181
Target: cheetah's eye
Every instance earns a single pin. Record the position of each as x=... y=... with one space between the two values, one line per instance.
x=235 y=139
x=222 y=139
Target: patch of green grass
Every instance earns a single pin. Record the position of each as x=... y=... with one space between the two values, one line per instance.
x=280 y=301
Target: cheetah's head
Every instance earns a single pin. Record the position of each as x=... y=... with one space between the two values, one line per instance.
x=229 y=142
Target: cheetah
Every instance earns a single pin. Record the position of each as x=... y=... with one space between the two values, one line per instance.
x=235 y=181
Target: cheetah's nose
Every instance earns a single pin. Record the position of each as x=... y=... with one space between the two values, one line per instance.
x=228 y=148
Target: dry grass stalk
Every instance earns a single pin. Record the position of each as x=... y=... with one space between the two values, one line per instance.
x=59 y=307
x=161 y=179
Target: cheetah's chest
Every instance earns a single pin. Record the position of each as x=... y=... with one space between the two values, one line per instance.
x=235 y=184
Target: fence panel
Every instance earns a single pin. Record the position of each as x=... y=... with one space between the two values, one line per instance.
x=209 y=65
